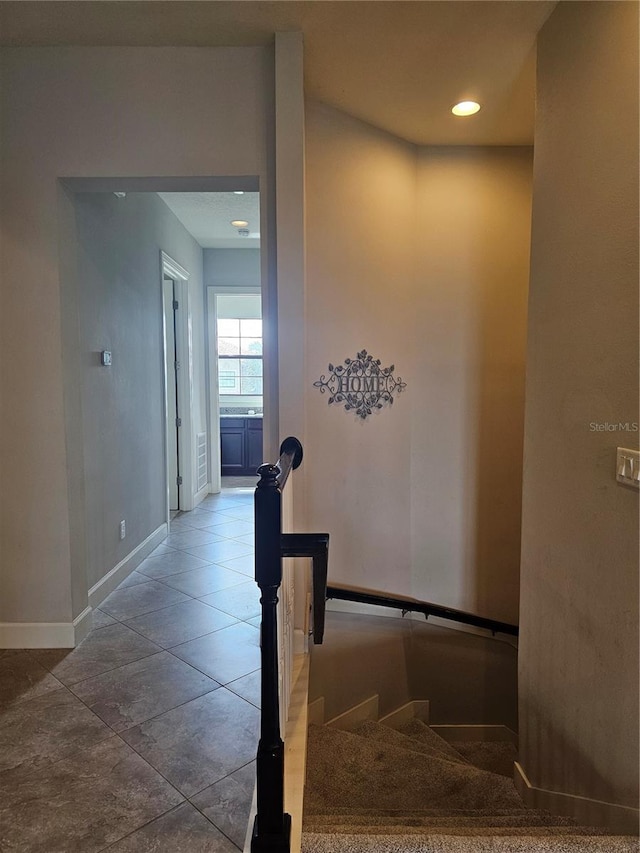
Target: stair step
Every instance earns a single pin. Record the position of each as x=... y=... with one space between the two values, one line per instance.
x=343 y=767
x=434 y=746
x=341 y=811
x=336 y=823
x=419 y=731
x=408 y=790
x=497 y=831
x=325 y=843
x=494 y=756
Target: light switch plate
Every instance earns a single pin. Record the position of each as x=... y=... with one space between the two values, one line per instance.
x=628 y=467
x=105 y=358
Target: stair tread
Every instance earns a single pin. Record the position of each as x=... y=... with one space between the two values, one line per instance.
x=382 y=790
x=515 y=831
x=345 y=767
x=326 y=843
x=529 y=818
x=435 y=746
x=336 y=811
x=494 y=756
x=420 y=731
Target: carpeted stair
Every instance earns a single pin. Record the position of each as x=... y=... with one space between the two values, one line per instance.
x=379 y=790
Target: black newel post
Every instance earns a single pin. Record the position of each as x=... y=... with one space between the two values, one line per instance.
x=272 y=827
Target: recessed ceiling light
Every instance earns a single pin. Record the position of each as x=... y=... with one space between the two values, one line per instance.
x=238 y=192
x=465 y=108
x=239 y=223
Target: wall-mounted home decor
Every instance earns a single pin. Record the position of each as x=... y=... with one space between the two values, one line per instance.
x=361 y=384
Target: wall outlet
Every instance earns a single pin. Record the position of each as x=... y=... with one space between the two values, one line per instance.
x=123 y=529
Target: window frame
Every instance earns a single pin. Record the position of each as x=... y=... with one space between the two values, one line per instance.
x=240 y=356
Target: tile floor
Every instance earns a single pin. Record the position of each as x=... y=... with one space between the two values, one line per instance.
x=143 y=738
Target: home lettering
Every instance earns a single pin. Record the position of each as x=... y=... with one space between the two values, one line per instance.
x=361 y=384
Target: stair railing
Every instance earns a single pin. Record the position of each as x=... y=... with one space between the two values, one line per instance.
x=414 y=605
x=272 y=826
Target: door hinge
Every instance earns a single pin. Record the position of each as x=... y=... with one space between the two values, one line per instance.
x=176 y=365
x=178 y=422
x=176 y=304
x=179 y=480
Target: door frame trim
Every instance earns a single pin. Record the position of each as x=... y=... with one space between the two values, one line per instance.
x=184 y=347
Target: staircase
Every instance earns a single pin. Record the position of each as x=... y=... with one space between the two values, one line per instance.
x=407 y=790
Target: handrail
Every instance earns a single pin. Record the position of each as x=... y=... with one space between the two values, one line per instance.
x=272 y=826
x=316 y=546
x=409 y=605
x=290 y=458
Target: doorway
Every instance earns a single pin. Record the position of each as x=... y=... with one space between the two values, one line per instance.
x=236 y=390
x=125 y=398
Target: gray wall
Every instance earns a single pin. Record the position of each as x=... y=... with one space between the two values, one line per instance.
x=467 y=679
x=87 y=113
x=232 y=267
x=118 y=244
x=579 y=604
x=469 y=340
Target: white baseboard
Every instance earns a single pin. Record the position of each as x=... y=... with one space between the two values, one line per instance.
x=587 y=812
x=367 y=710
x=67 y=635
x=295 y=748
x=315 y=711
x=110 y=581
x=45 y=635
x=82 y=624
x=300 y=642
x=253 y=811
x=417 y=709
x=201 y=495
x=37 y=635
x=480 y=732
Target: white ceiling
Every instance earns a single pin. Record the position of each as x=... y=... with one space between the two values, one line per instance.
x=207 y=217
x=397 y=64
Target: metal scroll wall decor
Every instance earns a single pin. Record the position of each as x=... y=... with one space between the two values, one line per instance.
x=361 y=384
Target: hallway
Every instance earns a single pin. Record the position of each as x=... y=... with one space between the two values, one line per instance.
x=143 y=738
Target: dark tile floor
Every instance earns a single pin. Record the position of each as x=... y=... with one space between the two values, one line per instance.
x=143 y=738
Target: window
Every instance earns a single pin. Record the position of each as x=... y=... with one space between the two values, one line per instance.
x=240 y=357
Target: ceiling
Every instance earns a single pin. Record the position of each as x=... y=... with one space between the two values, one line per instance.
x=395 y=64
x=207 y=217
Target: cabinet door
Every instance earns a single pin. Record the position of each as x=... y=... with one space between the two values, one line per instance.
x=232 y=451
x=227 y=423
x=254 y=445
